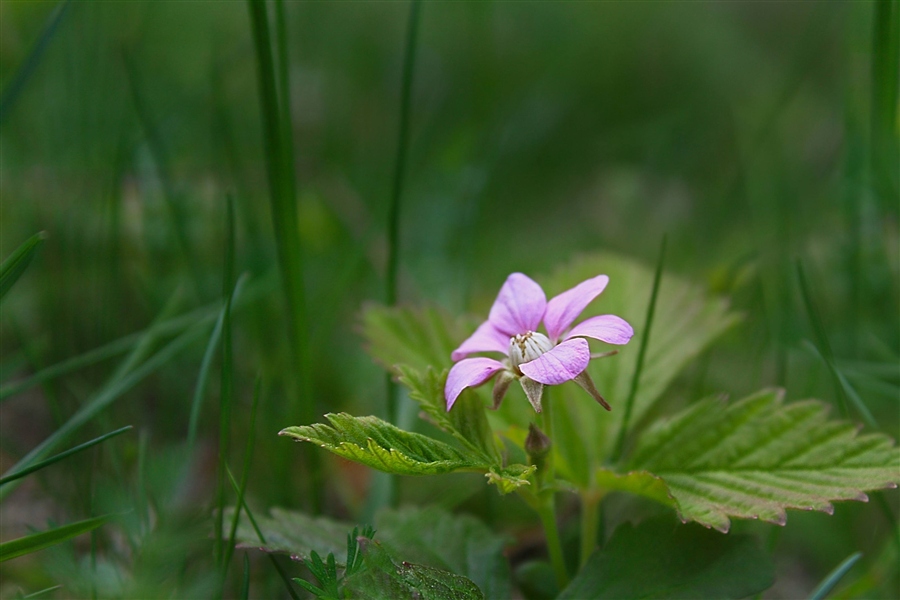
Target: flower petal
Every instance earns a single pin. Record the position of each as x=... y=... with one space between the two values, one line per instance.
x=469 y=373
x=519 y=306
x=606 y=328
x=561 y=364
x=562 y=310
x=485 y=339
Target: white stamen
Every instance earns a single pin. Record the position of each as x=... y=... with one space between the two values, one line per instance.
x=526 y=347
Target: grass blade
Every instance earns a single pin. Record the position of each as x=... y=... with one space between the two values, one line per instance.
x=12 y=91
x=645 y=338
x=834 y=577
x=39 y=541
x=282 y=196
x=62 y=455
x=16 y=263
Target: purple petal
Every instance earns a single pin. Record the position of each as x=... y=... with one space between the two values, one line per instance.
x=562 y=363
x=562 y=310
x=485 y=339
x=606 y=328
x=469 y=373
x=519 y=306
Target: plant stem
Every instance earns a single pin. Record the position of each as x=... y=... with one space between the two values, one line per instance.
x=547 y=512
x=590 y=521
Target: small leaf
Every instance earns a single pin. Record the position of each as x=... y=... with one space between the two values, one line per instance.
x=507 y=479
x=380 y=445
x=388 y=579
x=757 y=457
x=16 y=263
x=661 y=559
x=39 y=541
x=460 y=544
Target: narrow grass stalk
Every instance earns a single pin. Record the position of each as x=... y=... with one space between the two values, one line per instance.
x=245 y=583
x=642 y=353
x=832 y=579
x=39 y=541
x=62 y=455
x=42 y=592
x=245 y=473
x=822 y=343
x=885 y=146
x=24 y=73
x=261 y=537
x=280 y=169
x=227 y=380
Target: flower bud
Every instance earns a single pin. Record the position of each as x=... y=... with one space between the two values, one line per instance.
x=537 y=444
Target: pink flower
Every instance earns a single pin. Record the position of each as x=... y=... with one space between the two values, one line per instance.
x=535 y=359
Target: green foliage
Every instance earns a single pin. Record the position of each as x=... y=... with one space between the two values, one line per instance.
x=380 y=445
x=326 y=572
x=294 y=533
x=660 y=559
x=411 y=342
x=757 y=457
x=39 y=541
x=16 y=263
x=460 y=544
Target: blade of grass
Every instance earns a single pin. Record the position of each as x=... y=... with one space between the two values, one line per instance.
x=24 y=73
x=832 y=579
x=245 y=584
x=245 y=473
x=282 y=195
x=227 y=381
x=63 y=455
x=262 y=538
x=639 y=366
x=821 y=338
x=158 y=330
x=16 y=263
x=885 y=146
x=39 y=541
x=43 y=591
x=114 y=389
x=845 y=385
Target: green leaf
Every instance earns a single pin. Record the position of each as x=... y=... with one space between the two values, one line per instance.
x=39 y=541
x=659 y=559
x=387 y=579
x=16 y=263
x=507 y=479
x=457 y=543
x=293 y=533
x=380 y=445
x=757 y=457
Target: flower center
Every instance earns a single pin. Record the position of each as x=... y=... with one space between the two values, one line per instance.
x=526 y=347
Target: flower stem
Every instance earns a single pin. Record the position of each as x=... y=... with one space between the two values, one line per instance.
x=590 y=521
x=546 y=510
x=546 y=499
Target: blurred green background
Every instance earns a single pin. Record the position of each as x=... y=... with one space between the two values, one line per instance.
x=753 y=134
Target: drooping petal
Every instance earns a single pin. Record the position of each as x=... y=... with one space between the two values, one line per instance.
x=469 y=373
x=562 y=310
x=485 y=339
x=519 y=306
x=606 y=328
x=561 y=364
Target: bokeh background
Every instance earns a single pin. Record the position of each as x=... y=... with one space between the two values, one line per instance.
x=756 y=136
